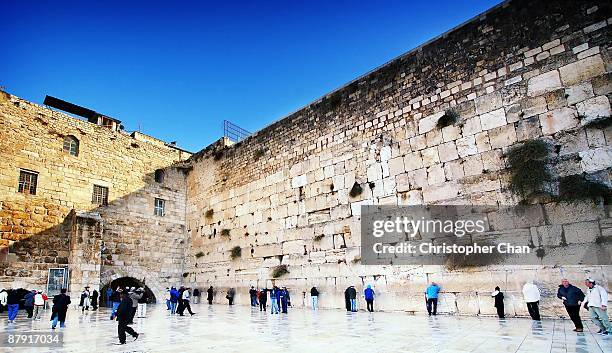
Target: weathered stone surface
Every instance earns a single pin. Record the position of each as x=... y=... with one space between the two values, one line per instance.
x=594 y=108
x=557 y=120
x=582 y=70
x=543 y=83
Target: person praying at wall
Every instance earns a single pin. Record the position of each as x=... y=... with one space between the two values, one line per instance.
x=368 y=294
x=167 y=297
x=209 y=295
x=531 y=294
x=263 y=299
x=275 y=300
x=84 y=303
x=230 y=296
x=28 y=303
x=94 y=300
x=431 y=298
x=253 y=296
x=314 y=298
x=352 y=292
x=109 y=293
x=285 y=299
x=347 y=299
x=499 y=302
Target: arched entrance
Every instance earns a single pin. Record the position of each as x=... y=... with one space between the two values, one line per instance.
x=127 y=282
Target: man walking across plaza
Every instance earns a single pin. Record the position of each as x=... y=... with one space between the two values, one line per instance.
x=185 y=299
x=368 y=294
x=431 y=296
x=124 y=317
x=134 y=295
x=597 y=303
x=531 y=294
x=572 y=297
x=174 y=299
x=60 y=308
x=498 y=297
x=29 y=303
x=39 y=304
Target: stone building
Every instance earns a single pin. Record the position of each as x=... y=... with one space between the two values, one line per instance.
x=433 y=126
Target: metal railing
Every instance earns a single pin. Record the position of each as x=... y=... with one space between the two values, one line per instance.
x=234 y=132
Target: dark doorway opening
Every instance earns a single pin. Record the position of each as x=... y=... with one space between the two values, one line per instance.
x=127 y=282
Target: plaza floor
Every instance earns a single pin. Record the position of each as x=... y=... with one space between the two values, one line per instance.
x=221 y=329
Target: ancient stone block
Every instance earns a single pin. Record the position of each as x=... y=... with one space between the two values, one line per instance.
x=593 y=108
x=582 y=70
x=493 y=119
x=543 y=83
x=557 y=120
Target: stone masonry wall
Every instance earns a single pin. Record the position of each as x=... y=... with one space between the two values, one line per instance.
x=34 y=229
x=523 y=70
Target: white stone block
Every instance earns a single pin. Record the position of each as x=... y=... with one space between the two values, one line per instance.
x=429 y=122
x=579 y=92
x=430 y=156
x=374 y=172
x=593 y=109
x=543 y=83
x=413 y=161
x=432 y=194
x=557 y=120
x=466 y=146
x=596 y=159
x=493 y=119
x=298 y=181
x=447 y=152
x=582 y=70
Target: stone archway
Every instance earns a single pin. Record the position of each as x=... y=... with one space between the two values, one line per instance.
x=127 y=282
x=139 y=275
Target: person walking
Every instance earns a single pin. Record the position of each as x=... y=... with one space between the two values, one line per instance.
x=134 y=295
x=263 y=299
x=85 y=298
x=230 y=296
x=39 y=305
x=431 y=296
x=124 y=317
x=3 y=299
x=186 y=298
x=174 y=298
x=115 y=301
x=209 y=295
x=142 y=304
x=275 y=300
x=499 y=302
x=94 y=300
x=28 y=303
x=12 y=302
x=285 y=300
x=531 y=294
x=168 y=297
x=572 y=297
x=314 y=298
x=109 y=293
x=196 y=296
x=60 y=308
x=368 y=294
x=597 y=304
x=253 y=296
x=353 y=298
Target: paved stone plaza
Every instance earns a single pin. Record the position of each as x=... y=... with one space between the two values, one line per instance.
x=238 y=329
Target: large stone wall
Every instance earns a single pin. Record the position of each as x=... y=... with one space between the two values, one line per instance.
x=524 y=70
x=36 y=230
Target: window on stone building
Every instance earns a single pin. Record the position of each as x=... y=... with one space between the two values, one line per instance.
x=27 y=182
x=71 y=145
x=159 y=176
x=100 y=195
x=160 y=207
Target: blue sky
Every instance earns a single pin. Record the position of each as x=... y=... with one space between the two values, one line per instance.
x=177 y=69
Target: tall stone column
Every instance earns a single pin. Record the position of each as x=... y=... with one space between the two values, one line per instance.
x=85 y=247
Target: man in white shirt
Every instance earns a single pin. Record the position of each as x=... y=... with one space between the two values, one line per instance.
x=597 y=303
x=531 y=294
x=39 y=303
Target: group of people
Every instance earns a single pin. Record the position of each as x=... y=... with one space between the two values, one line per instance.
x=138 y=306
x=280 y=300
x=33 y=301
x=179 y=300
x=89 y=299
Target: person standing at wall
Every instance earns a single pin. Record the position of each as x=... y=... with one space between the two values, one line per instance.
x=499 y=302
x=142 y=304
x=597 y=304
x=230 y=296
x=314 y=298
x=431 y=296
x=115 y=301
x=263 y=299
x=209 y=295
x=572 y=297
x=60 y=308
x=109 y=293
x=285 y=300
x=347 y=299
x=531 y=294
x=174 y=298
x=12 y=303
x=28 y=303
x=353 y=298
x=253 y=296
x=196 y=296
x=39 y=305
x=84 y=303
x=275 y=299
x=94 y=300
x=167 y=298
x=124 y=317
x=3 y=299
x=368 y=294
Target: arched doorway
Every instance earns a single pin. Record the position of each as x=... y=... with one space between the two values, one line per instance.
x=127 y=282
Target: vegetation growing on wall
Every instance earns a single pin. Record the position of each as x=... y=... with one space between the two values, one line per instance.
x=579 y=186
x=225 y=232
x=528 y=164
x=236 y=252
x=319 y=237
x=279 y=271
x=199 y=254
x=356 y=190
x=209 y=213
x=450 y=117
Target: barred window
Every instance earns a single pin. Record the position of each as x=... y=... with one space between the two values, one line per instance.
x=27 y=182
x=71 y=145
x=160 y=207
x=100 y=195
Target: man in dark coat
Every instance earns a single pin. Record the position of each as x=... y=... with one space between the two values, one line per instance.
x=572 y=298
x=29 y=303
x=285 y=299
x=209 y=295
x=263 y=299
x=60 y=308
x=353 y=298
x=124 y=316
x=253 y=296
x=347 y=299
x=499 y=302
x=94 y=300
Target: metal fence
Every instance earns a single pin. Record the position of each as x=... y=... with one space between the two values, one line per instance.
x=234 y=132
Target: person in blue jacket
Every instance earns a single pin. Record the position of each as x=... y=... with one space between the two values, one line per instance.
x=174 y=298
x=109 y=292
x=29 y=303
x=275 y=300
x=368 y=293
x=572 y=297
x=284 y=299
x=431 y=294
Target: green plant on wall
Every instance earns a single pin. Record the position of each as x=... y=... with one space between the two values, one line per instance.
x=209 y=213
x=580 y=187
x=528 y=164
x=279 y=271
x=225 y=232
x=236 y=252
x=356 y=190
x=199 y=254
x=450 y=117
